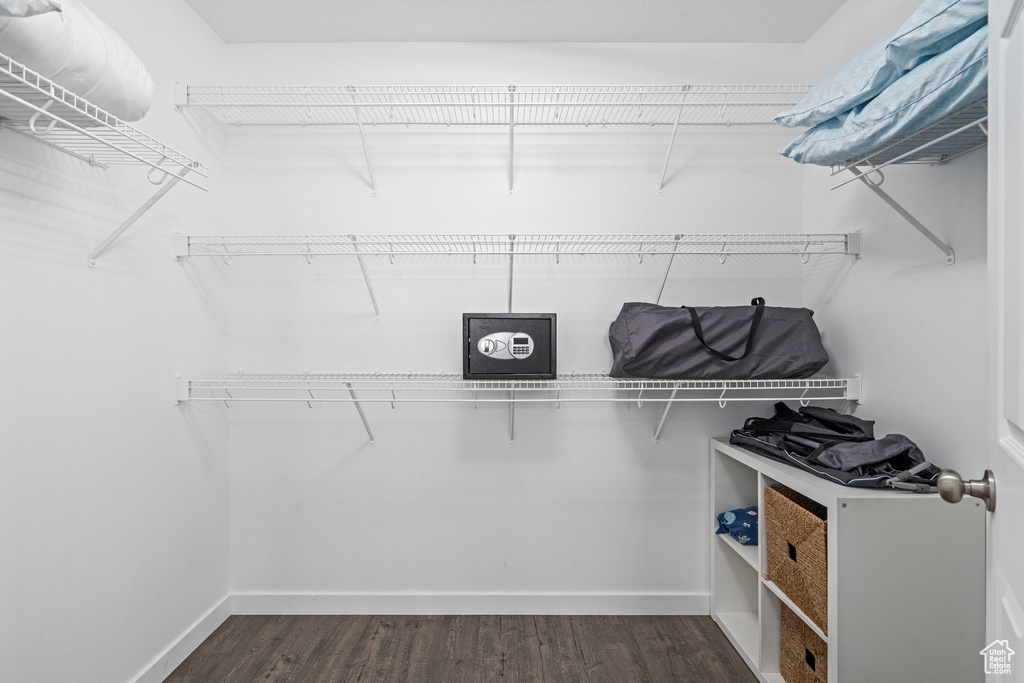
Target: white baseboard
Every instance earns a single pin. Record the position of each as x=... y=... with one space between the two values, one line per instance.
x=471 y=603
x=188 y=641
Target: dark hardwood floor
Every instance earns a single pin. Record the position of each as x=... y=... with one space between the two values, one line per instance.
x=464 y=649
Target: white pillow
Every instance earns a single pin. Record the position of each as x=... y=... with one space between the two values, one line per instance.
x=945 y=83
x=78 y=51
x=27 y=8
x=936 y=26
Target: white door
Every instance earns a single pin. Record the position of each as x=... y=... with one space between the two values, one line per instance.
x=1005 y=566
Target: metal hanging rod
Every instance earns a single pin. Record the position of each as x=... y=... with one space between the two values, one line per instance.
x=557 y=245
x=36 y=106
x=492 y=104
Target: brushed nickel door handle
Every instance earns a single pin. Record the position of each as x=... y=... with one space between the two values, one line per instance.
x=952 y=488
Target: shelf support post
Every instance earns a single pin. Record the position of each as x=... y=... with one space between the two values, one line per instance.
x=667 y=269
x=171 y=181
x=366 y=277
x=668 y=154
x=946 y=249
x=366 y=152
x=511 y=137
x=359 y=409
x=512 y=419
x=511 y=267
x=664 y=415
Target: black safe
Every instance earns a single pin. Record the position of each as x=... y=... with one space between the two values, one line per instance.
x=508 y=346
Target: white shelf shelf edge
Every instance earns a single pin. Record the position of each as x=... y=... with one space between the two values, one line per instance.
x=747 y=552
x=359 y=389
x=506 y=107
x=582 y=387
x=509 y=246
x=496 y=105
x=777 y=592
x=554 y=245
x=958 y=133
x=39 y=108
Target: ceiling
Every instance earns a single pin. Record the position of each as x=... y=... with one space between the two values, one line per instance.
x=644 y=21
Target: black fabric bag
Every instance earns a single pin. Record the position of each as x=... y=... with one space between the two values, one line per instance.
x=715 y=342
x=837 y=447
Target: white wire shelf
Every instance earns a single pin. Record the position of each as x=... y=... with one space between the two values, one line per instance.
x=961 y=132
x=954 y=135
x=508 y=106
x=500 y=105
x=39 y=108
x=35 y=105
x=451 y=388
x=721 y=245
x=556 y=245
x=417 y=387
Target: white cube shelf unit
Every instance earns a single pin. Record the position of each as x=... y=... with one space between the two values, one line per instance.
x=906 y=577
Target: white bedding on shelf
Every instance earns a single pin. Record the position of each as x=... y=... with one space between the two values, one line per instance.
x=78 y=51
x=27 y=8
x=934 y=28
x=940 y=86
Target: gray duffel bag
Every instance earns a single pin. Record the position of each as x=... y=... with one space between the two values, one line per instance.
x=715 y=342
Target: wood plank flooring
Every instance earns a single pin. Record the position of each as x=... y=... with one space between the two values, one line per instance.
x=465 y=649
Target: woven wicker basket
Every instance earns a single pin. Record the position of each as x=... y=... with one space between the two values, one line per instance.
x=803 y=656
x=795 y=533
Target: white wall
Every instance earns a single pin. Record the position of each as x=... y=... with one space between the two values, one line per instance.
x=113 y=502
x=117 y=505
x=912 y=326
x=583 y=513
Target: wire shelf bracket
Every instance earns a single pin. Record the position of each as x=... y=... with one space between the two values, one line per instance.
x=668 y=152
x=366 y=276
x=37 y=107
x=956 y=134
x=390 y=389
x=906 y=215
x=167 y=183
x=511 y=138
x=366 y=153
x=512 y=418
x=362 y=415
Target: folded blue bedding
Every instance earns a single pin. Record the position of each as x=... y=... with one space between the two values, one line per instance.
x=937 y=87
x=741 y=524
x=935 y=27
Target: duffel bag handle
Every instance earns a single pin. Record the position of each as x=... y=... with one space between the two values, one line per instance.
x=754 y=324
